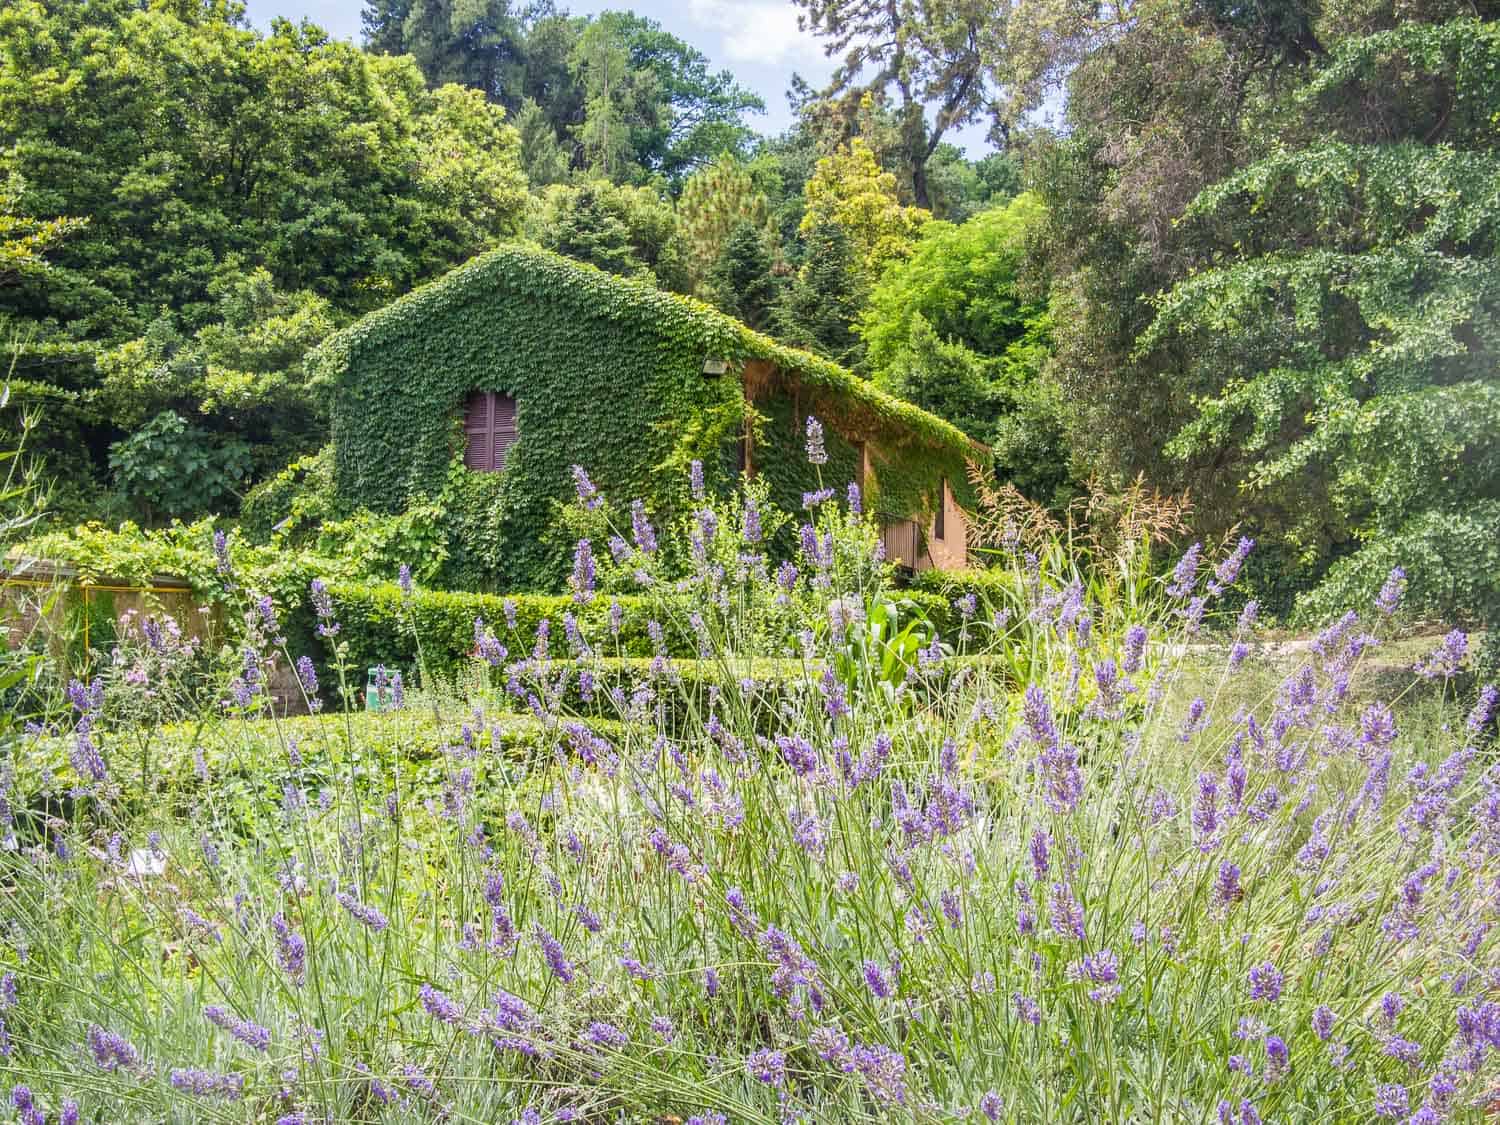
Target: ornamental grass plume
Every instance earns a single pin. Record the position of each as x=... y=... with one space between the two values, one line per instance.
x=1030 y=857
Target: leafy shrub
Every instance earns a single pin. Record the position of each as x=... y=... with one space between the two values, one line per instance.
x=170 y=468
x=293 y=502
x=186 y=552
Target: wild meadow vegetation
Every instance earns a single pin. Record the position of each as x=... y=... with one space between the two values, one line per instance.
x=1108 y=871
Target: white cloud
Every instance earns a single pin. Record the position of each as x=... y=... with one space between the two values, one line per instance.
x=759 y=31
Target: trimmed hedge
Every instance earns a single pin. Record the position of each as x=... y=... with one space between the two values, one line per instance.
x=380 y=627
x=992 y=589
x=776 y=681
x=249 y=768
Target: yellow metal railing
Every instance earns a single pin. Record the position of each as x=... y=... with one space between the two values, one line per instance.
x=86 y=588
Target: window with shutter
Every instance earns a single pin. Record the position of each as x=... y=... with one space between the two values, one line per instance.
x=489 y=430
x=939 y=523
x=505 y=429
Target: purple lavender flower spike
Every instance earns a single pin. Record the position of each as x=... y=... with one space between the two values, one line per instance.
x=1185 y=575
x=1389 y=598
x=252 y=1035
x=766 y=1065
x=1391 y=1100
x=817 y=454
x=641 y=529
x=588 y=495
x=1266 y=982
x=583 y=572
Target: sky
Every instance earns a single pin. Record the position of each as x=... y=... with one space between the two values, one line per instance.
x=757 y=40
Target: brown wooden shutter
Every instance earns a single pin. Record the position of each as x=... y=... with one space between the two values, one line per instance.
x=901 y=541
x=489 y=430
x=939 y=522
x=479 y=429
x=503 y=435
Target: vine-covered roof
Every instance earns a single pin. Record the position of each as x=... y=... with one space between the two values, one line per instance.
x=528 y=271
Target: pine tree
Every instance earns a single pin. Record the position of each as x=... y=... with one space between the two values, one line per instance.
x=821 y=306
x=714 y=202
x=741 y=281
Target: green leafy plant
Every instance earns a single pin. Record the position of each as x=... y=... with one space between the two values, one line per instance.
x=882 y=650
x=169 y=468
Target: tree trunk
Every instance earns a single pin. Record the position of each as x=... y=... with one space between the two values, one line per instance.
x=919 y=184
x=918 y=149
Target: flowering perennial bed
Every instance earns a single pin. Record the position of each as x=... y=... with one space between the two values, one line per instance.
x=1103 y=893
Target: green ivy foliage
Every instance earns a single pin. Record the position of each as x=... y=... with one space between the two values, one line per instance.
x=293 y=502
x=607 y=373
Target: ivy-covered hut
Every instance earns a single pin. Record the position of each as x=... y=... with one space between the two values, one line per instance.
x=482 y=389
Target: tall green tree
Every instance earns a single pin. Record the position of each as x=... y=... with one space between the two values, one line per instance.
x=960 y=329
x=936 y=62
x=208 y=158
x=621 y=229
x=601 y=58
x=624 y=98
x=543 y=157
x=1152 y=120
x=966 y=281
x=743 y=281
x=652 y=106
x=475 y=43
x=820 y=307
x=713 y=204
x=696 y=113
x=1350 y=318
x=849 y=189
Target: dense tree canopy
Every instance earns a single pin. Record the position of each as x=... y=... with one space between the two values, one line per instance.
x=965 y=281
x=957 y=328
x=848 y=189
x=940 y=58
x=714 y=203
x=242 y=193
x=1257 y=262
x=1270 y=254
x=621 y=229
x=1352 y=322
x=621 y=97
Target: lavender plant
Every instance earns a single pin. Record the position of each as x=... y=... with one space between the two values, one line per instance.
x=1135 y=887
